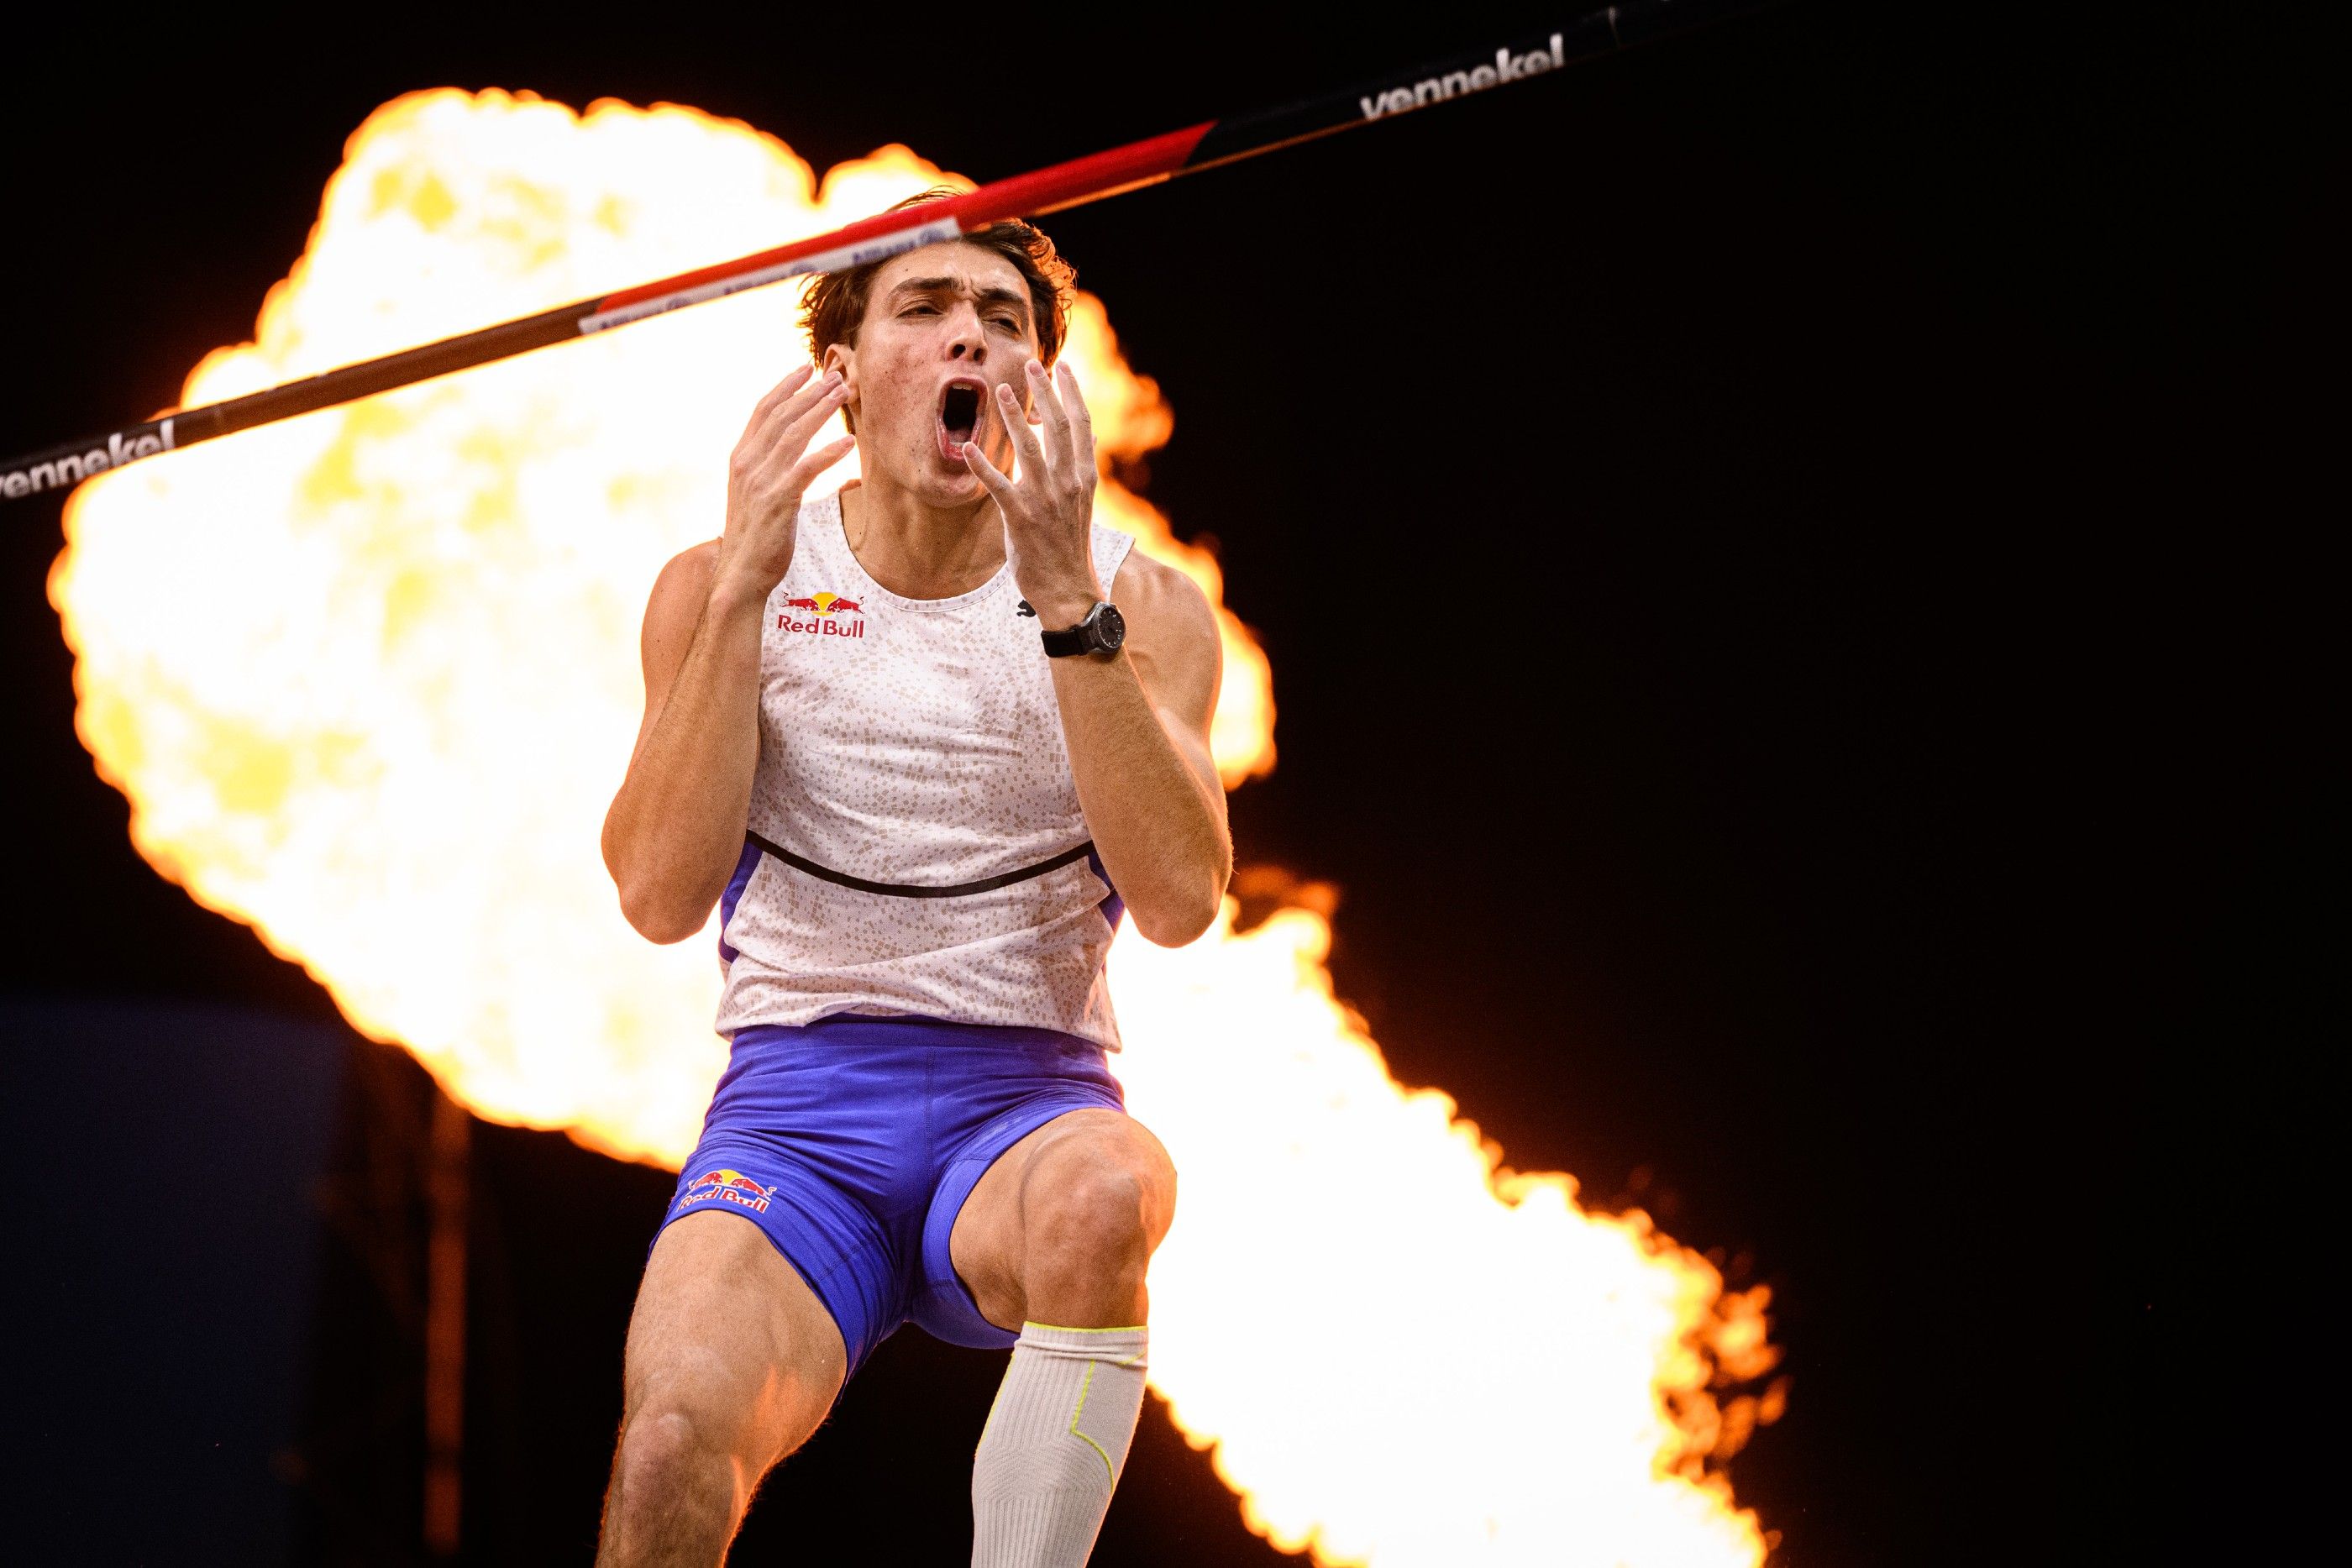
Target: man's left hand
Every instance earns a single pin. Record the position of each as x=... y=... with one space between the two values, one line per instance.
x=1049 y=509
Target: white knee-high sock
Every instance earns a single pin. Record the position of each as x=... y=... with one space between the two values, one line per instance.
x=1054 y=1443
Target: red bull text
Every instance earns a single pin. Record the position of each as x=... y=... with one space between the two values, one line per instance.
x=821 y=610
x=728 y=1186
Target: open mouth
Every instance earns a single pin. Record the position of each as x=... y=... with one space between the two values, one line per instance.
x=958 y=415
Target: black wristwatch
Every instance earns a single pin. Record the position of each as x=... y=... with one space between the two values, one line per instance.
x=1101 y=632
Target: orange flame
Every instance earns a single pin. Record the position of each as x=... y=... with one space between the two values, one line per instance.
x=367 y=676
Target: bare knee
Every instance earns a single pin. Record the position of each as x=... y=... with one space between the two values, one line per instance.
x=667 y=1448
x=680 y=1436
x=677 y=1492
x=1099 y=1203
x=1098 y=1214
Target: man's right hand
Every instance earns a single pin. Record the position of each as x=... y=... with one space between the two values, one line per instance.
x=769 y=474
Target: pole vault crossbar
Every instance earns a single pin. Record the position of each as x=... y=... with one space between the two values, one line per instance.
x=1207 y=145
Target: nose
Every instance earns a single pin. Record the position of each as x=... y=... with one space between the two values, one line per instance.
x=966 y=339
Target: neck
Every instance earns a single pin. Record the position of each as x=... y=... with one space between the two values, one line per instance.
x=918 y=551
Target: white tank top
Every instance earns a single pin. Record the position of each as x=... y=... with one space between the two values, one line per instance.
x=915 y=844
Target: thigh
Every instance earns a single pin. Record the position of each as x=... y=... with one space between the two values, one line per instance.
x=991 y=1235
x=728 y=1336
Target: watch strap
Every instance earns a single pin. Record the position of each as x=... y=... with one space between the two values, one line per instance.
x=1100 y=633
x=1068 y=643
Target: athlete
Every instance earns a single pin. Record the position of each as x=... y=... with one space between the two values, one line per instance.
x=921 y=742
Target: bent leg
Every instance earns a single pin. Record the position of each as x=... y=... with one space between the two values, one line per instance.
x=1056 y=1236
x=732 y=1362
x=1063 y=1225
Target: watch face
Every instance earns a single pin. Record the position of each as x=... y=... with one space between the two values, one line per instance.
x=1110 y=628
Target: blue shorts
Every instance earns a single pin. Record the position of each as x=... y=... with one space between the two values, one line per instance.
x=854 y=1141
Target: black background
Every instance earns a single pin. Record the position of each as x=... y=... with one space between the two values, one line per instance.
x=1780 y=558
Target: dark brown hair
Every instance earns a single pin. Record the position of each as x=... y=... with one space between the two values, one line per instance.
x=834 y=305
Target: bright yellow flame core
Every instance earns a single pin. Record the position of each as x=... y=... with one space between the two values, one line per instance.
x=368 y=679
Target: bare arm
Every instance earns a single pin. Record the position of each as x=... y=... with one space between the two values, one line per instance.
x=676 y=828
x=676 y=825
x=1137 y=722
x=1137 y=728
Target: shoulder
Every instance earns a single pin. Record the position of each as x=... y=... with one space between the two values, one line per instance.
x=678 y=593
x=1171 y=635
x=690 y=569
x=1152 y=594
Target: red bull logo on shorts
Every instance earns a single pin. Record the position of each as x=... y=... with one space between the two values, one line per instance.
x=727 y=1187
x=822 y=612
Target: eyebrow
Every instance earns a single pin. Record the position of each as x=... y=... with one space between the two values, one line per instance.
x=1011 y=296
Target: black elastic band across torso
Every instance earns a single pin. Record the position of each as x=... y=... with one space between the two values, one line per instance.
x=904 y=890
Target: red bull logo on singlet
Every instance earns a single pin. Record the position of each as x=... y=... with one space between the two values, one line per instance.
x=823 y=611
x=727 y=1187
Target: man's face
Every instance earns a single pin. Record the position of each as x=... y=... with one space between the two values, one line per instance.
x=945 y=325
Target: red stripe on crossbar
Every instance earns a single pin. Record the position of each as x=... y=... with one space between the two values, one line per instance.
x=1023 y=195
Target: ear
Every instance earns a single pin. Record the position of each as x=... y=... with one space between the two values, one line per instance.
x=843 y=358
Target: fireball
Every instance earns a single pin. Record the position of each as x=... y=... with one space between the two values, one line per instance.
x=369 y=678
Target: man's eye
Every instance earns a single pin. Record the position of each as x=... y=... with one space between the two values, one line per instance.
x=918 y=310
x=1010 y=323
